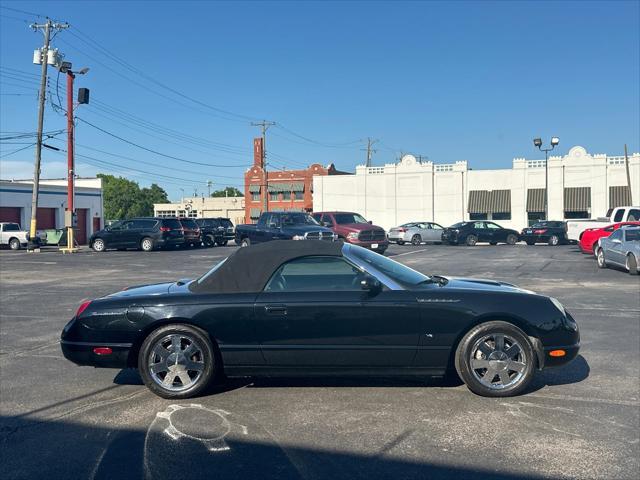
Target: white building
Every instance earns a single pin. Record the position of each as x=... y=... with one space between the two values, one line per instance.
x=15 y=204
x=581 y=185
x=203 y=207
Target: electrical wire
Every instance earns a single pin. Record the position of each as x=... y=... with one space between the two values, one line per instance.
x=16 y=151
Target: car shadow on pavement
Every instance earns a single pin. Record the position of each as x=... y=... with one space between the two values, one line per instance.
x=574 y=372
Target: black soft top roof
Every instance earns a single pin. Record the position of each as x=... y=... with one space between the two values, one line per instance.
x=250 y=268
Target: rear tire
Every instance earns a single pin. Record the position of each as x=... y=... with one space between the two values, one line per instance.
x=245 y=242
x=529 y=242
x=632 y=264
x=208 y=241
x=602 y=263
x=554 y=240
x=471 y=240
x=512 y=239
x=14 y=244
x=498 y=350
x=400 y=242
x=146 y=244
x=166 y=355
x=416 y=239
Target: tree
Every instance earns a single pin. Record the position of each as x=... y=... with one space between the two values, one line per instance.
x=227 y=192
x=123 y=198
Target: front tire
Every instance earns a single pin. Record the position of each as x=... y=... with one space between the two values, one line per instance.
x=512 y=239
x=245 y=242
x=14 y=244
x=554 y=241
x=495 y=359
x=529 y=242
x=602 y=263
x=177 y=361
x=98 y=245
x=632 y=264
x=471 y=240
x=416 y=240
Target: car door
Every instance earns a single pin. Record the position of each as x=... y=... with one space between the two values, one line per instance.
x=436 y=232
x=614 y=252
x=121 y=235
x=494 y=233
x=314 y=313
x=479 y=230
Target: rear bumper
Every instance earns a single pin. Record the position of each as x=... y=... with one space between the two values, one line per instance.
x=81 y=353
x=403 y=237
x=161 y=242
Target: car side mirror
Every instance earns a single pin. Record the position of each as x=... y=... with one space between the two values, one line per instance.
x=273 y=225
x=371 y=285
x=370 y=222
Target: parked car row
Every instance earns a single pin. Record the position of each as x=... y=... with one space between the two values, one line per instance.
x=150 y=233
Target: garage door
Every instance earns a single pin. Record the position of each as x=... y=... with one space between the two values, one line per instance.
x=10 y=214
x=80 y=232
x=46 y=218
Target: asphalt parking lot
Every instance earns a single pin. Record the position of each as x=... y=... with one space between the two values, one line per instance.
x=64 y=421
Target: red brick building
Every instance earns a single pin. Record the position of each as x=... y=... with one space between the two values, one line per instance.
x=282 y=189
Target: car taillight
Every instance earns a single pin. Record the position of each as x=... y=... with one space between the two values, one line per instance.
x=83 y=306
x=402 y=230
x=540 y=232
x=165 y=229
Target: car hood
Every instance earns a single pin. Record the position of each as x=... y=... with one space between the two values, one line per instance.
x=154 y=289
x=455 y=283
x=306 y=228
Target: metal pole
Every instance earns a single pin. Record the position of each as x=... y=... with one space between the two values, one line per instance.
x=36 y=172
x=546 y=184
x=626 y=164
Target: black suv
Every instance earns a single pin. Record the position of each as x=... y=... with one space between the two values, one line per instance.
x=473 y=232
x=215 y=231
x=545 y=231
x=143 y=233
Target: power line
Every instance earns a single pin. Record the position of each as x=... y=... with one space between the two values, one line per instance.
x=18 y=150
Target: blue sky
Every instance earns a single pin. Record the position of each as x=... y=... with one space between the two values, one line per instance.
x=452 y=81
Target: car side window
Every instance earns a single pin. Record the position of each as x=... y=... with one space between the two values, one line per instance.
x=478 y=225
x=493 y=226
x=317 y=217
x=125 y=226
x=619 y=215
x=328 y=221
x=634 y=215
x=617 y=235
x=315 y=274
x=435 y=226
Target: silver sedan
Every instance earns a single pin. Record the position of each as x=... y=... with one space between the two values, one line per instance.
x=621 y=248
x=416 y=233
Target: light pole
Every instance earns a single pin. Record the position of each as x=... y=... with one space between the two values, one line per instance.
x=83 y=97
x=538 y=143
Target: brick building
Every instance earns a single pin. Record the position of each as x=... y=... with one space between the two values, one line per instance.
x=284 y=189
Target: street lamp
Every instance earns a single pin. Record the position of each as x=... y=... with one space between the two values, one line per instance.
x=538 y=143
x=83 y=97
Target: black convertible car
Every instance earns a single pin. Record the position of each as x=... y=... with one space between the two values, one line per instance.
x=322 y=308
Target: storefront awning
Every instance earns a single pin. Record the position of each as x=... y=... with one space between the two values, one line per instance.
x=486 y=201
x=254 y=213
x=535 y=200
x=297 y=187
x=253 y=188
x=619 y=196
x=577 y=199
x=279 y=187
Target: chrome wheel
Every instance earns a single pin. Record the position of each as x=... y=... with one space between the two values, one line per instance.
x=416 y=240
x=600 y=257
x=176 y=362
x=471 y=240
x=498 y=361
x=98 y=245
x=146 y=244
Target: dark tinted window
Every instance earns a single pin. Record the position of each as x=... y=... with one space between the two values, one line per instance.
x=171 y=223
x=619 y=215
x=459 y=225
x=11 y=227
x=345 y=218
x=188 y=223
x=317 y=216
x=616 y=235
x=634 y=215
x=632 y=234
x=312 y=274
x=397 y=271
x=225 y=222
x=297 y=219
x=201 y=222
x=143 y=224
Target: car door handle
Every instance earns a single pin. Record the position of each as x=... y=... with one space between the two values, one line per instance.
x=275 y=309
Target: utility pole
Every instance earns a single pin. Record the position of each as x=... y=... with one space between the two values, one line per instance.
x=370 y=151
x=626 y=165
x=209 y=185
x=44 y=60
x=264 y=126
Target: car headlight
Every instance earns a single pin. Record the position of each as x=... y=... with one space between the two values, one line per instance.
x=298 y=237
x=335 y=237
x=352 y=235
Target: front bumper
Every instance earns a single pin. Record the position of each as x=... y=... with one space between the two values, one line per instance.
x=380 y=245
x=571 y=352
x=81 y=353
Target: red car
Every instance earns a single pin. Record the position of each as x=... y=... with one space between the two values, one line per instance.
x=191 y=232
x=353 y=228
x=590 y=236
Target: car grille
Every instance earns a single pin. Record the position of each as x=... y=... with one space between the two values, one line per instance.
x=372 y=235
x=319 y=235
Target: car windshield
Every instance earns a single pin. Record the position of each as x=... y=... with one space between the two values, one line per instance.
x=346 y=218
x=298 y=219
x=210 y=272
x=541 y=225
x=11 y=227
x=225 y=222
x=396 y=271
x=458 y=225
x=172 y=223
x=407 y=225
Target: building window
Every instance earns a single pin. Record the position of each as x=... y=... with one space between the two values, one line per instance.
x=274 y=196
x=501 y=216
x=166 y=213
x=577 y=214
x=444 y=168
x=477 y=216
x=534 y=217
x=255 y=196
x=299 y=196
x=192 y=214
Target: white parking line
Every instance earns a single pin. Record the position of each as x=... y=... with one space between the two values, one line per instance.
x=409 y=253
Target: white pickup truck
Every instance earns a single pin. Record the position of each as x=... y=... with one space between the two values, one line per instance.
x=618 y=214
x=12 y=235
